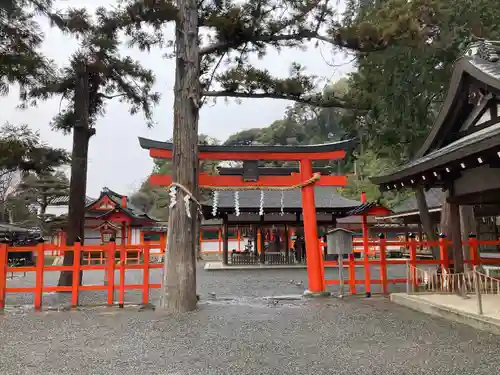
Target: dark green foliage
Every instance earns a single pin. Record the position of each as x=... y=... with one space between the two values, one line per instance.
x=110 y=74
x=21 y=150
x=20 y=61
x=403 y=86
x=231 y=32
x=39 y=190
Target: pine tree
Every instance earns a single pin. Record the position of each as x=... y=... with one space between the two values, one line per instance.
x=96 y=73
x=39 y=190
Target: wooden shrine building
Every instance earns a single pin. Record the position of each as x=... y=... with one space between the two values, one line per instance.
x=282 y=216
x=461 y=154
x=111 y=215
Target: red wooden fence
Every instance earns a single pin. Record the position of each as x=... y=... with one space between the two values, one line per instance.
x=121 y=264
x=444 y=244
x=78 y=250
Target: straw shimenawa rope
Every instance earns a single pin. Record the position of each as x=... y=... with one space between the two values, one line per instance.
x=310 y=181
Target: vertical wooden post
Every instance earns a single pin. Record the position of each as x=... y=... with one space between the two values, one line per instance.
x=383 y=262
x=219 y=238
x=77 y=248
x=443 y=252
x=352 y=274
x=474 y=251
x=145 y=290
x=163 y=244
x=314 y=271
x=225 y=242
x=238 y=237
x=456 y=239
x=111 y=271
x=39 y=274
x=366 y=248
x=121 y=287
x=4 y=250
x=413 y=259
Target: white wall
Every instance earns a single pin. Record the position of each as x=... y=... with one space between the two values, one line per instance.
x=92 y=237
x=135 y=236
x=213 y=246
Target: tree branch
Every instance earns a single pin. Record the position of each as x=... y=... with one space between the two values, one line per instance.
x=313 y=100
x=225 y=46
x=110 y=96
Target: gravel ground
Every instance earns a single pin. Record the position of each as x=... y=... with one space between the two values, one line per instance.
x=243 y=335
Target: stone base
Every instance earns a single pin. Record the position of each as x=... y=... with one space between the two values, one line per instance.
x=309 y=294
x=481 y=322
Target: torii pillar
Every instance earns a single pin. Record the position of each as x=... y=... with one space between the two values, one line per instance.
x=314 y=258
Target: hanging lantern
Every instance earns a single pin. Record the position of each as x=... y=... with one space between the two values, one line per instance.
x=282 y=203
x=261 y=209
x=173 y=194
x=237 y=203
x=215 y=201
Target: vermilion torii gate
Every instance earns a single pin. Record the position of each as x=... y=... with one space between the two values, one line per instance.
x=250 y=179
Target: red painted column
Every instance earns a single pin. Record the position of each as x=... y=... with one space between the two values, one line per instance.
x=366 y=248
x=313 y=254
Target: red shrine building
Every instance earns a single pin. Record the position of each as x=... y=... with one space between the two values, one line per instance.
x=111 y=215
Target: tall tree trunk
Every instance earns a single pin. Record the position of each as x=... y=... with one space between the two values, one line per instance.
x=179 y=286
x=426 y=220
x=468 y=226
x=78 y=182
x=444 y=224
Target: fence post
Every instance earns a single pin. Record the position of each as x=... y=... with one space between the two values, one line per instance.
x=443 y=252
x=111 y=270
x=413 y=261
x=121 y=290
x=145 y=293
x=477 y=286
x=4 y=250
x=383 y=262
x=474 y=251
x=39 y=273
x=77 y=250
x=352 y=274
x=409 y=283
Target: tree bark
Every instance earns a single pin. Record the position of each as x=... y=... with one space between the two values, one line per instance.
x=78 y=181
x=456 y=238
x=426 y=220
x=179 y=286
x=444 y=225
x=468 y=226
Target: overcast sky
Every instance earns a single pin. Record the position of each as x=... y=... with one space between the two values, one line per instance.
x=115 y=158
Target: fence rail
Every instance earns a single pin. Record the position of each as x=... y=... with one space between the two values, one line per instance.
x=112 y=263
x=375 y=253
x=121 y=258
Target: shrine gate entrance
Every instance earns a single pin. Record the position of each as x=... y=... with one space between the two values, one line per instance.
x=250 y=178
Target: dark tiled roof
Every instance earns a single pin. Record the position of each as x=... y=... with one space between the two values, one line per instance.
x=471 y=144
x=433 y=197
x=326 y=147
x=435 y=155
x=131 y=210
x=325 y=198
